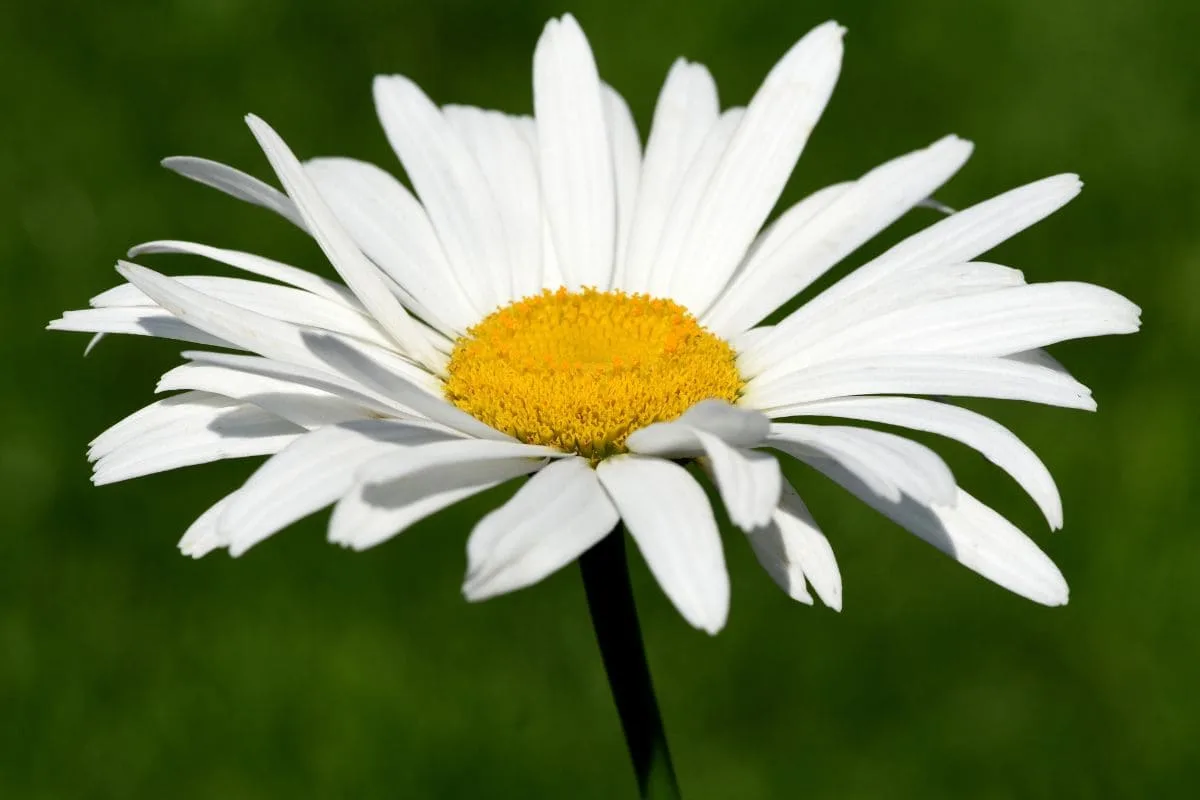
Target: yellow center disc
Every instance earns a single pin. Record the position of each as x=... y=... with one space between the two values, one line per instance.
x=580 y=371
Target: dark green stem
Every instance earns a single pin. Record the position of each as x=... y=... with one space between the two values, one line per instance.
x=614 y=617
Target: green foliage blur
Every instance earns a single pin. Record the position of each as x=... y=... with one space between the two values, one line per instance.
x=302 y=670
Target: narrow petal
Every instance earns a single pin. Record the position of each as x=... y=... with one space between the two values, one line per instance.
x=369 y=515
x=552 y=520
x=961 y=376
x=874 y=202
x=363 y=277
x=627 y=165
x=687 y=108
x=202 y=537
x=284 y=273
x=891 y=465
x=236 y=183
x=756 y=165
x=135 y=321
x=309 y=474
x=392 y=228
x=397 y=466
x=576 y=163
x=668 y=515
x=749 y=481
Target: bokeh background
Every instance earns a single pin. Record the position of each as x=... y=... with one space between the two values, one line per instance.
x=302 y=670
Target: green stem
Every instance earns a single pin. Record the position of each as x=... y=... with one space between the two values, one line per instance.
x=614 y=617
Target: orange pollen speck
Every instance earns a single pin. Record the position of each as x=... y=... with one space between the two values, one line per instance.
x=580 y=371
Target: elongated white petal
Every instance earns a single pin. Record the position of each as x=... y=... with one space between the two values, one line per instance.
x=749 y=481
x=275 y=270
x=302 y=405
x=237 y=432
x=972 y=534
x=668 y=515
x=391 y=227
x=136 y=321
x=552 y=520
x=283 y=303
x=369 y=515
x=360 y=274
x=687 y=108
x=627 y=167
x=792 y=548
x=737 y=427
x=509 y=166
x=998 y=444
x=235 y=183
x=961 y=376
x=756 y=165
x=891 y=465
x=386 y=378
x=669 y=277
x=956 y=239
x=451 y=186
x=181 y=409
x=575 y=156
x=202 y=536
x=990 y=324
x=397 y=466
x=309 y=474
x=775 y=353
x=874 y=202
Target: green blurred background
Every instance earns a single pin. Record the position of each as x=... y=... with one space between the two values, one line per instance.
x=302 y=670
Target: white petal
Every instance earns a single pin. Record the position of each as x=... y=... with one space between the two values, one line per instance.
x=749 y=481
x=391 y=227
x=368 y=515
x=990 y=324
x=891 y=465
x=668 y=515
x=451 y=186
x=203 y=437
x=283 y=303
x=363 y=277
x=627 y=166
x=235 y=183
x=388 y=380
x=972 y=534
x=793 y=548
x=179 y=409
x=396 y=466
x=552 y=520
x=669 y=277
x=737 y=427
x=509 y=166
x=309 y=474
x=202 y=537
x=777 y=353
x=576 y=163
x=758 y=162
x=302 y=405
x=136 y=321
x=956 y=239
x=875 y=201
x=962 y=376
x=284 y=273
x=687 y=108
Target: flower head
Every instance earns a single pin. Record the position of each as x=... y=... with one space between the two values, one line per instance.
x=551 y=300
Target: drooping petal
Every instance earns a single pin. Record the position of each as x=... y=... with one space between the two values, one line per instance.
x=575 y=156
x=749 y=481
x=668 y=515
x=202 y=537
x=998 y=444
x=552 y=520
x=737 y=427
x=792 y=548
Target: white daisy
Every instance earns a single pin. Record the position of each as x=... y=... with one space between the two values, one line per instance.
x=551 y=300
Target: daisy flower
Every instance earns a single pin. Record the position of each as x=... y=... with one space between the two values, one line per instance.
x=552 y=299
